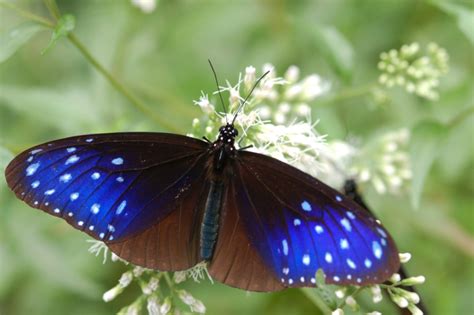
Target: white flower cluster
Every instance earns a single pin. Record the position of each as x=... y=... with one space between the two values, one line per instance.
x=276 y=119
x=157 y=301
x=401 y=297
x=417 y=71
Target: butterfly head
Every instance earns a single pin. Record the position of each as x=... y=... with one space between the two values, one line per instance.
x=227 y=134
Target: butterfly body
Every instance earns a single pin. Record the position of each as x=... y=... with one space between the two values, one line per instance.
x=168 y=202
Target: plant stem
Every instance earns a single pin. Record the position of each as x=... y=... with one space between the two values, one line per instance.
x=119 y=86
x=459 y=118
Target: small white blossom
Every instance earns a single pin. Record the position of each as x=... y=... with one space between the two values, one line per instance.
x=166 y=306
x=204 y=103
x=147 y=6
x=395 y=278
x=179 y=276
x=374 y=313
x=126 y=279
x=153 y=307
x=338 y=311
x=376 y=293
x=414 y=310
x=112 y=293
x=404 y=257
x=413 y=281
x=151 y=286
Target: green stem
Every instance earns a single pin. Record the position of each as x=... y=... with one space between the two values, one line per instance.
x=53 y=8
x=316 y=299
x=119 y=86
x=460 y=117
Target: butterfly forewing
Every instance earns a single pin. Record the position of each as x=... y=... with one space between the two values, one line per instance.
x=299 y=225
x=111 y=186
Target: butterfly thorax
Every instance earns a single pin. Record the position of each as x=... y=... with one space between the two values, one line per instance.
x=223 y=148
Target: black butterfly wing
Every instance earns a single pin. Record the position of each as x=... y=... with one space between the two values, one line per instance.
x=296 y=225
x=130 y=190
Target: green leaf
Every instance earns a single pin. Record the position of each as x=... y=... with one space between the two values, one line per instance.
x=15 y=38
x=427 y=137
x=64 y=26
x=5 y=158
x=463 y=15
x=336 y=48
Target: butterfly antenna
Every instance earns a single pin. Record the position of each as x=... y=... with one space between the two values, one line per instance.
x=218 y=88
x=248 y=96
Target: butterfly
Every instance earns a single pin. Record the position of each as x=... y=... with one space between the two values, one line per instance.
x=168 y=202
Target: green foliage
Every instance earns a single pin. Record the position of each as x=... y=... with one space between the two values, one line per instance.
x=128 y=69
x=14 y=39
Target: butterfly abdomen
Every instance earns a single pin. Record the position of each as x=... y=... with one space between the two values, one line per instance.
x=210 y=222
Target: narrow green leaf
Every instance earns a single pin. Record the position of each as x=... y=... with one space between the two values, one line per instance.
x=15 y=38
x=427 y=138
x=463 y=15
x=64 y=26
x=336 y=48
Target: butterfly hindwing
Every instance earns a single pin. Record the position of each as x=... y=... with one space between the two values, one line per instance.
x=299 y=225
x=111 y=186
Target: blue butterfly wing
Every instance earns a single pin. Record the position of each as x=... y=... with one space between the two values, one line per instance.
x=120 y=188
x=297 y=225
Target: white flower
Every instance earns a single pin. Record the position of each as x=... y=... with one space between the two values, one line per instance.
x=166 y=306
x=147 y=6
x=204 y=103
x=376 y=293
x=126 y=279
x=338 y=311
x=153 y=307
x=112 y=293
x=404 y=257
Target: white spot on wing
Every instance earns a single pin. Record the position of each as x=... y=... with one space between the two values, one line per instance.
x=36 y=151
x=56 y=210
x=117 y=161
x=89 y=140
x=338 y=198
x=319 y=229
x=35 y=184
x=296 y=222
x=350 y=215
x=65 y=178
x=344 y=243
x=346 y=224
x=367 y=263
x=120 y=208
x=351 y=264
x=72 y=159
x=70 y=150
x=95 y=208
x=286 y=270
x=95 y=175
x=284 y=244
x=306 y=206
x=376 y=249
x=306 y=260
x=74 y=196
x=30 y=170
x=119 y=179
x=49 y=192
x=328 y=257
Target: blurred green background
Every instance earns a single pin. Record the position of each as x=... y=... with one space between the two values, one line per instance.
x=162 y=58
